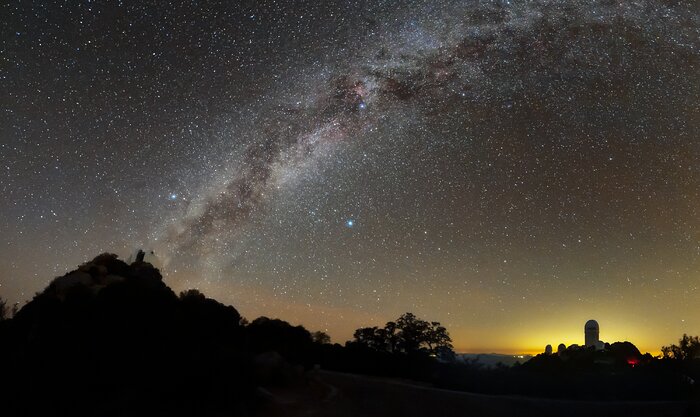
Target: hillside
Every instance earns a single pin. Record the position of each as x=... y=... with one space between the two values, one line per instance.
x=112 y=339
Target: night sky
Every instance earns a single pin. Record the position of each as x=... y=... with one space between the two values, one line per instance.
x=510 y=169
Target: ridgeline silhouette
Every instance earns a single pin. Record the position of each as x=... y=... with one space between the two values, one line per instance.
x=111 y=339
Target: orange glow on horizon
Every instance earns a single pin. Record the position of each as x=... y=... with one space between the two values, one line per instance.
x=524 y=335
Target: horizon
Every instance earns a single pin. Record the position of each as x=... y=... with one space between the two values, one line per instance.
x=147 y=348
x=568 y=339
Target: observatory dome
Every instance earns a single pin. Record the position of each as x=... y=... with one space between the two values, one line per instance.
x=592 y=325
x=591 y=332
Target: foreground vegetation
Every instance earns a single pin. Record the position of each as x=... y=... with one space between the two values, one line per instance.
x=111 y=339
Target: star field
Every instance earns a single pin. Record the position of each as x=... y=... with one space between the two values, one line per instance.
x=511 y=169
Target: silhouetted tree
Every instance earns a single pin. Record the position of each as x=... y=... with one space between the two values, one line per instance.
x=438 y=340
x=371 y=337
x=192 y=294
x=408 y=334
x=7 y=312
x=414 y=332
x=688 y=348
x=391 y=335
x=320 y=337
x=292 y=342
x=3 y=309
x=121 y=330
x=207 y=317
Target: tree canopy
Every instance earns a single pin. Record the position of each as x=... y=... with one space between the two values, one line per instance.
x=408 y=334
x=688 y=348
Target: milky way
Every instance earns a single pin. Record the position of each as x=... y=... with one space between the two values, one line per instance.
x=492 y=165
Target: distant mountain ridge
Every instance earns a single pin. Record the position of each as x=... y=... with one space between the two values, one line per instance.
x=491 y=360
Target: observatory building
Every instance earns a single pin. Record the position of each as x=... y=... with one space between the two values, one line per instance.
x=592 y=335
x=591 y=331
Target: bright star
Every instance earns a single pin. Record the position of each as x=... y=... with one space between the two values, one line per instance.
x=172 y=197
x=350 y=223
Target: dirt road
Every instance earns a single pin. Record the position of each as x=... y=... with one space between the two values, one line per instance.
x=332 y=394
